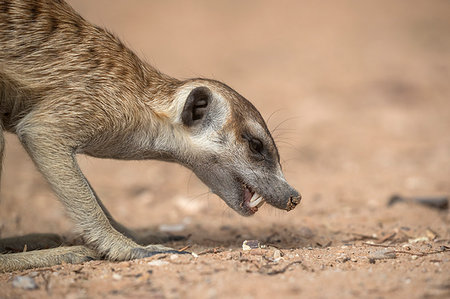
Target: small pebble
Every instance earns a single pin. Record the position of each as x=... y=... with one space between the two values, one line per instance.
x=277 y=254
x=116 y=276
x=24 y=282
x=250 y=244
x=342 y=258
x=346 y=259
x=431 y=234
x=157 y=263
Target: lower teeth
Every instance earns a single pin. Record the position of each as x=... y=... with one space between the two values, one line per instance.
x=258 y=202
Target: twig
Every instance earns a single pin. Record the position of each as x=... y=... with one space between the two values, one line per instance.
x=284 y=269
x=327 y=244
x=184 y=248
x=409 y=252
x=387 y=238
x=417 y=253
x=440 y=203
x=359 y=237
x=213 y=250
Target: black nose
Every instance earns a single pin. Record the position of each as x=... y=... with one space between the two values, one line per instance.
x=293 y=201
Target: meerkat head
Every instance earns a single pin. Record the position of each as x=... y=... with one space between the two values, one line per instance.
x=228 y=146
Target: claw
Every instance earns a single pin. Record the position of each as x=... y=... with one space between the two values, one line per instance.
x=139 y=253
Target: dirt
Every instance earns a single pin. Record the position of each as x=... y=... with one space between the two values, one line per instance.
x=357 y=95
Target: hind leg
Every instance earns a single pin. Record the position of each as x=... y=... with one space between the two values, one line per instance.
x=46 y=258
x=38 y=258
x=29 y=243
x=35 y=257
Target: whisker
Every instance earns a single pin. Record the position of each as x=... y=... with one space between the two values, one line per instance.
x=281 y=137
x=288 y=144
x=197 y=196
x=272 y=114
x=290 y=159
x=284 y=121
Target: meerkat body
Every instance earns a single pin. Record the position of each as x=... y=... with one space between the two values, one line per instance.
x=68 y=87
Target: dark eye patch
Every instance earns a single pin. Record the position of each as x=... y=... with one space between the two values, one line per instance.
x=255 y=145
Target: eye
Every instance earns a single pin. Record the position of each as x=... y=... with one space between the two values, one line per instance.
x=256 y=145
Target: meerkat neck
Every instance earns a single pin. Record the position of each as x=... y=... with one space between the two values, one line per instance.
x=148 y=121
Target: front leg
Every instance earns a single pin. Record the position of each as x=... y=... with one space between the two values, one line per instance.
x=54 y=156
x=119 y=227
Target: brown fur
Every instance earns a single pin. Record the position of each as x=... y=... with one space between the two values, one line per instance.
x=52 y=64
x=69 y=87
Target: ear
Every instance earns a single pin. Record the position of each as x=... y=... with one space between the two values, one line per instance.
x=196 y=106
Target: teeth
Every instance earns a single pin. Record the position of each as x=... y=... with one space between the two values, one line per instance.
x=255 y=196
x=256 y=201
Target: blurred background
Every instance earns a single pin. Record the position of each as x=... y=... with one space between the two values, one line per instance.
x=356 y=93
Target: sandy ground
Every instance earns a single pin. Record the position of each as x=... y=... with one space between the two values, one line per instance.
x=358 y=97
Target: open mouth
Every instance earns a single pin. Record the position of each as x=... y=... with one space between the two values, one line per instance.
x=252 y=200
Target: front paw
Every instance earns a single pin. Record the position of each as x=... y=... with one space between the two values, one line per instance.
x=151 y=250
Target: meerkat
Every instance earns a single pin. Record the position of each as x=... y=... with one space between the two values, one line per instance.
x=68 y=87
